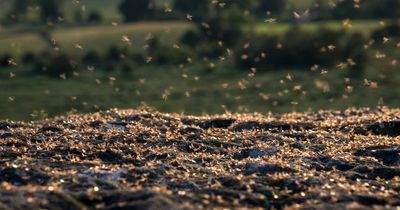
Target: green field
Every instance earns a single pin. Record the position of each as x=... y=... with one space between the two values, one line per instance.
x=193 y=89
x=366 y=27
x=92 y=38
x=103 y=36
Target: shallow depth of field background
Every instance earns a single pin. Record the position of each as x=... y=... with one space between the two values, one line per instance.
x=197 y=56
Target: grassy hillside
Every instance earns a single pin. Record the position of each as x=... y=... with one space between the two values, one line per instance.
x=103 y=36
x=363 y=26
x=93 y=37
x=194 y=88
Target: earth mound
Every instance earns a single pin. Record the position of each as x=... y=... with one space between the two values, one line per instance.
x=131 y=159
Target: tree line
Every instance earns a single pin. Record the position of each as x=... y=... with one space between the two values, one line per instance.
x=51 y=10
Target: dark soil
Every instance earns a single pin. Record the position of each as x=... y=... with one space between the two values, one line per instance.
x=127 y=159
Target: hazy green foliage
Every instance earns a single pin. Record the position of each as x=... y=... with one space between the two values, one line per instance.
x=94 y=17
x=55 y=65
x=197 y=8
x=220 y=55
x=299 y=49
x=28 y=58
x=242 y=4
x=20 y=7
x=50 y=9
x=391 y=30
x=4 y=60
x=272 y=6
x=226 y=26
x=367 y=9
x=134 y=10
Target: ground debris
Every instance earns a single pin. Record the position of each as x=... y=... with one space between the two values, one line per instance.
x=131 y=159
x=390 y=128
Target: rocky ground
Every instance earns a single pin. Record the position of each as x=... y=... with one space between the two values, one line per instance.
x=129 y=159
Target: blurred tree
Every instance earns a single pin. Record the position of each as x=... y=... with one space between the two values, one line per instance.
x=28 y=58
x=78 y=16
x=321 y=10
x=60 y=64
x=153 y=44
x=191 y=38
x=114 y=53
x=345 y=9
x=357 y=55
x=392 y=30
x=94 y=17
x=380 y=9
x=365 y=9
x=242 y=4
x=50 y=9
x=302 y=49
x=226 y=25
x=20 y=7
x=135 y=10
x=4 y=60
x=91 y=56
x=273 y=6
x=196 y=8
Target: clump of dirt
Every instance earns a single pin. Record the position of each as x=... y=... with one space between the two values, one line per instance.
x=130 y=159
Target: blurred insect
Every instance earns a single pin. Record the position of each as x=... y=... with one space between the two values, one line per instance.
x=385 y=40
x=91 y=68
x=346 y=23
x=270 y=20
x=125 y=39
x=78 y=46
x=315 y=67
x=341 y=66
x=167 y=8
x=296 y=15
x=324 y=71
x=371 y=84
x=63 y=76
x=331 y=47
x=12 y=62
x=289 y=77
x=187 y=94
x=380 y=55
x=149 y=59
